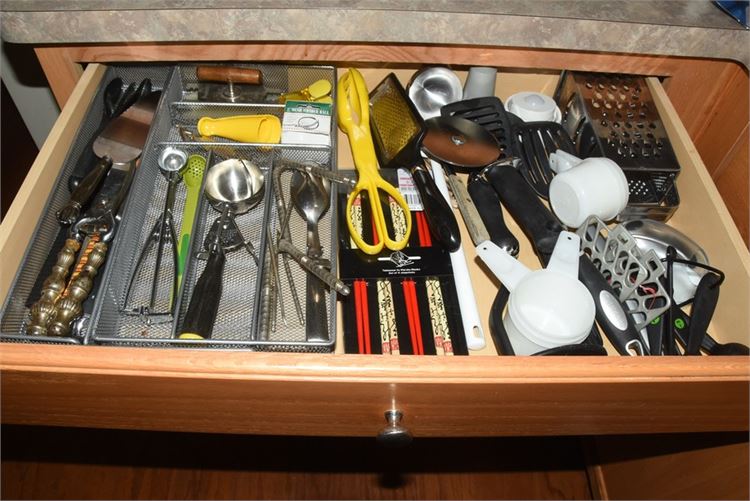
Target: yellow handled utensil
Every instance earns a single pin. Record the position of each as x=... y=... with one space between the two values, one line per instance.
x=243 y=128
x=354 y=120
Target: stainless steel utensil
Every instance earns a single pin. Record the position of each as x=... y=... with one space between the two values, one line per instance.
x=232 y=187
x=311 y=196
x=432 y=88
x=171 y=162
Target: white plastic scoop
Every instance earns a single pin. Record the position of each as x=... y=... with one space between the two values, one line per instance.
x=549 y=307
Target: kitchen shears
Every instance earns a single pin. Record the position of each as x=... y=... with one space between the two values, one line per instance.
x=354 y=119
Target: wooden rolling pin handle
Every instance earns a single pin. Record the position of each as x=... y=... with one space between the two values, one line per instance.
x=228 y=74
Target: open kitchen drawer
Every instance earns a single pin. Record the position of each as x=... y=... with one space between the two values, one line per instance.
x=338 y=394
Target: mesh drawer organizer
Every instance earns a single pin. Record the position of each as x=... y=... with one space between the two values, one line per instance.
x=614 y=116
x=48 y=238
x=117 y=316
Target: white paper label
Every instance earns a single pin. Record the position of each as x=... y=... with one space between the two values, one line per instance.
x=408 y=190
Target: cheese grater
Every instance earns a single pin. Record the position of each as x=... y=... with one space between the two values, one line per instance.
x=614 y=116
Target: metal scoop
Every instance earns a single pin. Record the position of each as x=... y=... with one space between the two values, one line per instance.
x=232 y=187
x=171 y=161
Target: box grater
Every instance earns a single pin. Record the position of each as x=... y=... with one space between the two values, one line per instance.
x=615 y=116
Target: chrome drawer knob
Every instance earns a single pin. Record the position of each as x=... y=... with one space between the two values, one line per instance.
x=394 y=435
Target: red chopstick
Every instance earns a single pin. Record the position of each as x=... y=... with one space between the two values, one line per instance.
x=360 y=316
x=425 y=240
x=363 y=317
x=412 y=313
x=366 y=316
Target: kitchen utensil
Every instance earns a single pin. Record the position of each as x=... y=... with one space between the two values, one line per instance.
x=489 y=113
x=534 y=142
x=487 y=206
x=614 y=116
x=584 y=188
x=233 y=187
x=229 y=74
x=60 y=305
x=231 y=84
x=243 y=128
x=193 y=178
x=480 y=82
x=171 y=161
x=708 y=343
x=432 y=88
x=319 y=91
x=547 y=308
x=657 y=236
x=120 y=142
x=354 y=119
x=397 y=131
x=634 y=275
x=533 y=107
x=542 y=229
x=461 y=143
x=312 y=197
x=704 y=305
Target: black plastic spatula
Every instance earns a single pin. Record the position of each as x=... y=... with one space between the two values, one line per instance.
x=704 y=305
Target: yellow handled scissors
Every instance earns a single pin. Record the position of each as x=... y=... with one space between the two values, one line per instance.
x=354 y=119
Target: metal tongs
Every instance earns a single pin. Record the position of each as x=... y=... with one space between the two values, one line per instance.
x=282 y=244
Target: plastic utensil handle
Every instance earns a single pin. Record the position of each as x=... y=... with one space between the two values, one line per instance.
x=228 y=74
x=709 y=344
x=488 y=206
x=84 y=191
x=204 y=303
x=534 y=218
x=467 y=303
x=439 y=214
x=610 y=314
x=706 y=297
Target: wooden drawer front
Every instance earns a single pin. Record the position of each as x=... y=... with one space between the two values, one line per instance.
x=347 y=395
x=247 y=392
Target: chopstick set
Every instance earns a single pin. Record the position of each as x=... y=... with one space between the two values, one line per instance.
x=404 y=299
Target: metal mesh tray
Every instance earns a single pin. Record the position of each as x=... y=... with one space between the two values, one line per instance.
x=236 y=323
x=277 y=79
x=15 y=312
x=274 y=333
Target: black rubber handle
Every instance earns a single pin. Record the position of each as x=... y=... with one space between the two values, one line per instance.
x=439 y=215
x=704 y=305
x=617 y=325
x=535 y=220
x=655 y=333
x=204 y=303
x=488 y=205
x=709 y=344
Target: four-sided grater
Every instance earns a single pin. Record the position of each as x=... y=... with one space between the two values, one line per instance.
x=615 y=116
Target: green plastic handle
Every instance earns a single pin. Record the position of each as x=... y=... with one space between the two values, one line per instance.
x=193 y=177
